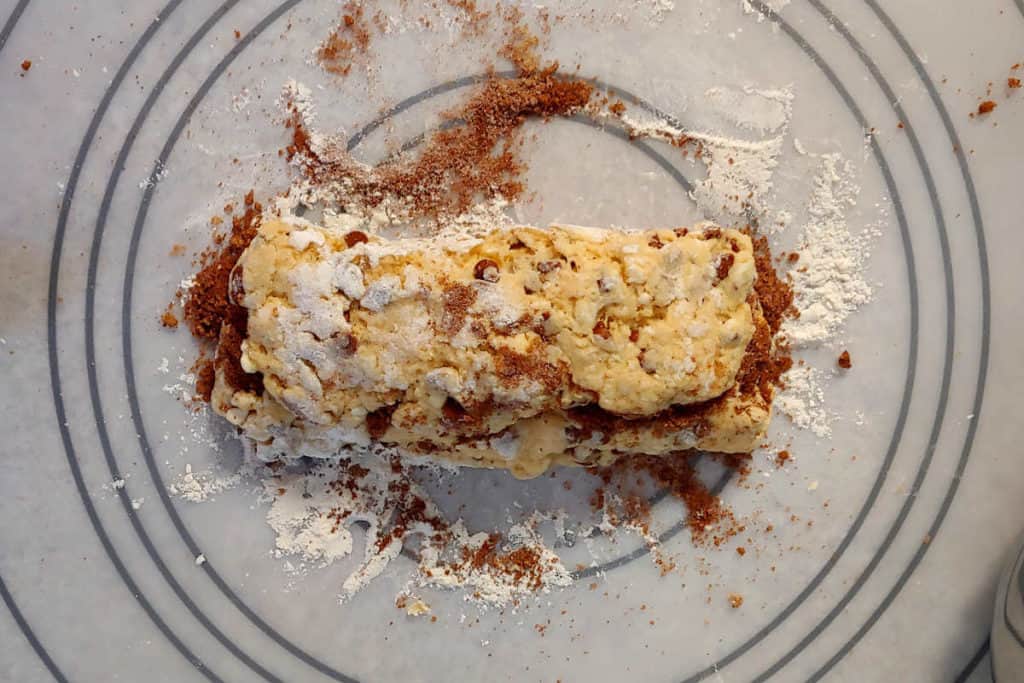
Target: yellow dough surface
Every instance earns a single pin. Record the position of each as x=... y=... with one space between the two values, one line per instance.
x=521 y=349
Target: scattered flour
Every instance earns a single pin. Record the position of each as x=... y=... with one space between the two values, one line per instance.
x=773 y=5
x=312 y=511
x=829 y=284
x=762 y=111
x=803 y=400
x=197 y=487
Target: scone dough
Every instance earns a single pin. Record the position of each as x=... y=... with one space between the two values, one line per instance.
x=525 y=348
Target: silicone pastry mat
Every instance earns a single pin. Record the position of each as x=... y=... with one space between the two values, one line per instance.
x=121 y=120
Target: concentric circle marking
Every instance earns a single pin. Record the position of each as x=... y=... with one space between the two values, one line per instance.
x=947 y=362
x=90 y=351
x=894 y=195
x=133 y=252
x=984 y=361
x=19 y=618
x=51 y=327
x=986 y=320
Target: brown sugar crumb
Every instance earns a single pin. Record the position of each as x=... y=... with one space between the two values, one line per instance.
x=986 y=107
x=900 y=125
x=177 y=250
x=458 y=299
x=350 y=39
x=782 y=457
x=735 y=600
x=211 y=313
x=741 y=551
x=844 y=360
x=513 y=367
x=709 y=520
x=618 y=107
x=475 y=159
x=724 y=266
x=238 y=34
x=792 y=257
x=205 y=376
x=26 y=65
x=520 y=46
x=168 y=319
x=1013 y=83
x=474 y=20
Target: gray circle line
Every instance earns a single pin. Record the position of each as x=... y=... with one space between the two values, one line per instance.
x=405 y=104
x=90 y=346
x=937 y=424
x=844 y=94
x=986 y=323
x=12 y=21
x=240 y=45
x=1018 y=1
x=973 y=663
x=51 y=327
x=19 y=618
x=33 y=641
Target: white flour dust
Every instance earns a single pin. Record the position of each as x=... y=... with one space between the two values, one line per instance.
x=773 y=5
x=830 y=283
x=312 y=513
x=803 y=400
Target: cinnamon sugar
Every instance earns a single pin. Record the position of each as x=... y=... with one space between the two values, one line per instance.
x=458 y=299
x=350 y=39
x=512 y=367
x=474 y=20
x=475 y=160
x=209 y=310
x=168 y=319
x=520 y=46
